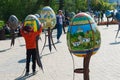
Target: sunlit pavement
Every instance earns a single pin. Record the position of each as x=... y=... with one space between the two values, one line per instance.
x=58 y=65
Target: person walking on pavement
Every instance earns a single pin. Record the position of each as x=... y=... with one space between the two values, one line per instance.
x=59 y=25
x=30 y=39
x=101 y=16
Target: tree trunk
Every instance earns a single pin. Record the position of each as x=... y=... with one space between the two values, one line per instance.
x=46 y=2
x=61 y=2
x=38 y=3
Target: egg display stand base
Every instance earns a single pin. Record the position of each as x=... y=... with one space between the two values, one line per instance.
x=12 y=38
x=2 y=34
x=50 y=40
x=108 y=22
x=38 y=58
x=117 y=30
x=85 y=69
x=64 y=25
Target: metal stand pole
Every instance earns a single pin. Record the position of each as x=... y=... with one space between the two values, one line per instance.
x=50 y=40
x=85 y=69
x=118 y=30
x=107 y=21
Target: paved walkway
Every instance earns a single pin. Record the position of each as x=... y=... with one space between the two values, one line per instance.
x=58 y=65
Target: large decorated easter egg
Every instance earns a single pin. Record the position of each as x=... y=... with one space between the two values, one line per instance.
x=13 y=22
x=83 y=36
x=108 y=13
x=48 y=17
x=32 y=20
x=37 y=15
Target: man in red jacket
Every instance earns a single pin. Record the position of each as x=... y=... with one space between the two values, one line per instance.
x=30 y=39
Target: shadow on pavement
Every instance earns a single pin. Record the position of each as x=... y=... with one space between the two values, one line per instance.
x=24 y=77
x=22 y=45
x=114 y=43
x=54 y=43
x=5 y=50
x=22 y=61
x=47 y=54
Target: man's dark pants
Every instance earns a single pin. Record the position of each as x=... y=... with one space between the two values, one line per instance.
x=31 y=53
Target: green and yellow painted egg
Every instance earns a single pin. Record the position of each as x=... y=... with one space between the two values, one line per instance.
x=32 y=20
x=83 y=36
x=48 y=17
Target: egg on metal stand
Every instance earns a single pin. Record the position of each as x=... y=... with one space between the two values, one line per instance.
x=48 y=19
x=83 y=40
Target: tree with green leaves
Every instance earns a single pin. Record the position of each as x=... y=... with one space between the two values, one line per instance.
x=21 y=8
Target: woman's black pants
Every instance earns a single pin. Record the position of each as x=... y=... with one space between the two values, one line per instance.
x=31 y=53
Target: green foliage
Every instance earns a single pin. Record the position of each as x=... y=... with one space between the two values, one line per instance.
x=21 y=8
x=1 y=24
x=101 y=5
x=54 y=5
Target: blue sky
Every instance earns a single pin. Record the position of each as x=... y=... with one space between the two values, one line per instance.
x=85 y=28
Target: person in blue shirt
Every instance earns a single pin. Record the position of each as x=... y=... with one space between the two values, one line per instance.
x=59 y=25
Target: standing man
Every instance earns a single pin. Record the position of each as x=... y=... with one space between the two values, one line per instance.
x=60 y=19
x=101 y=15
